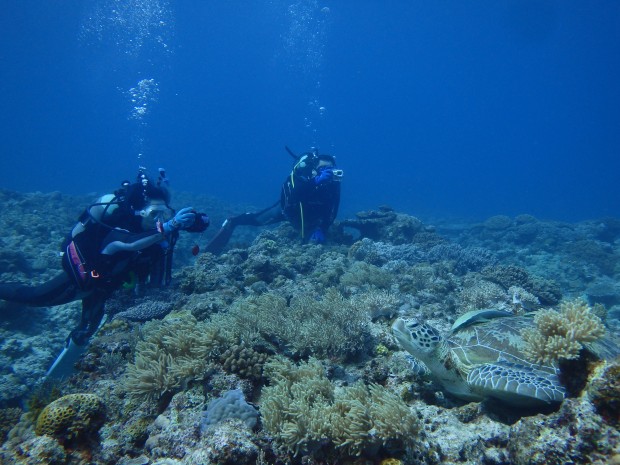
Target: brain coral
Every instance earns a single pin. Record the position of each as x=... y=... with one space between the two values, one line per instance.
x=244 y=361
x=71 y=416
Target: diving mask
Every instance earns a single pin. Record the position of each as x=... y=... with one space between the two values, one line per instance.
x=157 y=212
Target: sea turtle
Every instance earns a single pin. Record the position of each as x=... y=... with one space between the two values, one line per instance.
x=482 y=357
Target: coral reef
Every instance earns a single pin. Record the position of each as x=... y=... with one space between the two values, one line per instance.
x=507 y=276
x=135 y=431
x=71 y=416
x=545 y=290
x=461 y=259
x=603 y=391
x=269 y=295
x=464 y=259
x=175 y=436
x=38 y=450
x=479 y=294
x=498 y=222
x=604 y=291
x=378 y=303
x=461 y=435
x=365 y=275
x=331 y=326
x=385 y=224
x=244 y=361
x=522 y=300
x=146 y=311
x=561 y=335
x=575 y=434
x=29 y=248
x=378 y=253
x=8 y=418
x=303 y=409
x=172 y=353
x=41 y=396
x=599 y=254
x=231 y=405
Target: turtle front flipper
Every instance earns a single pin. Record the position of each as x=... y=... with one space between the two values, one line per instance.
x=516 y=384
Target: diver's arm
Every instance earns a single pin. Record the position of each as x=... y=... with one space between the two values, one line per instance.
x=133 y=242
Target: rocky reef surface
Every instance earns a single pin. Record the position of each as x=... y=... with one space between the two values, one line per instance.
x=281 y=353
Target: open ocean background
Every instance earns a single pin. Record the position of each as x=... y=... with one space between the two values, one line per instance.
x=440 y=109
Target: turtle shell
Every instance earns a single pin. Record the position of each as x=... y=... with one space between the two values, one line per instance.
x=491 y=341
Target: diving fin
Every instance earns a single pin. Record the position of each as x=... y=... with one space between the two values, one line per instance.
x=291 y=153
x=219 y=241
x=245 y=219
x=63 y=366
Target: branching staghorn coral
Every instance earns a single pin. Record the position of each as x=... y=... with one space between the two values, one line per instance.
x=377 y=303
x=303 y=410
x=561 y=335
x=479 y=293
x=171 y=352
x=522 y=300
x=365 y=275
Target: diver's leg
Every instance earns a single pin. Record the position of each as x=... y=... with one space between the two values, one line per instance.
x=218 y=242
x=267 y=216
x=270 y=215
x=93 y=309
x=77 y=342
x=57 y=291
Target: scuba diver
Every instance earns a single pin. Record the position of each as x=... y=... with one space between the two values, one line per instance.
x=125 y=237
x=309 y=200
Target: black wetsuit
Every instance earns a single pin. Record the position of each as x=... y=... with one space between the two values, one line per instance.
x=305 y=204
x=92 y=276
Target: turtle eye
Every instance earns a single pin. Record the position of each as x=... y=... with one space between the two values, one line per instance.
x=412 y=324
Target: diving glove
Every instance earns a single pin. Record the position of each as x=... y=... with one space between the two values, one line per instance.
x=318 y=237
x=184 y=219
x=324 y=176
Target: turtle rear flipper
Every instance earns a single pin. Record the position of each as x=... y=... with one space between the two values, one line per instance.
x=516 y=384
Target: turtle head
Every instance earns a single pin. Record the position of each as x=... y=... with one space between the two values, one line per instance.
x=419 y=339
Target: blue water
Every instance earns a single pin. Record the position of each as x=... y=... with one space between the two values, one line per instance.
x=437 y=108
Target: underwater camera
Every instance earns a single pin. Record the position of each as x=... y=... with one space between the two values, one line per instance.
x=337 y=174
x=201 y=222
